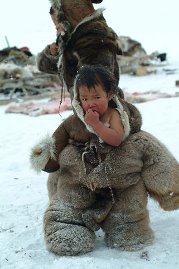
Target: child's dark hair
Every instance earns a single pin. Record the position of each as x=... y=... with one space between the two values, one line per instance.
x=91 y=75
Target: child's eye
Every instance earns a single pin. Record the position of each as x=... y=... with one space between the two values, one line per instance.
x=84 y=99
x=97 y=97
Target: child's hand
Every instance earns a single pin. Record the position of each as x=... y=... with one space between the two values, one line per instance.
x=54 y=49
x=92 y=117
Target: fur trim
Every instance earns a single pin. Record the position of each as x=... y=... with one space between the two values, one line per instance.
x=124 y=116
x=59 y=63
x=56 y=3
x=42 y=152
x=97 y=13
x=46 y=53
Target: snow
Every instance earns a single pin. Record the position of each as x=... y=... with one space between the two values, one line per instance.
x=164 y=76
x=23 y=193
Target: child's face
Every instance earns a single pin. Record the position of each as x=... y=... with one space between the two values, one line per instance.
x=95 y=98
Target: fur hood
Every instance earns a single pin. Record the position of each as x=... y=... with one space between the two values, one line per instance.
x=73 y=11
x=119 y=107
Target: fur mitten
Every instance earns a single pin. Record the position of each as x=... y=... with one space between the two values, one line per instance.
x=42 y=152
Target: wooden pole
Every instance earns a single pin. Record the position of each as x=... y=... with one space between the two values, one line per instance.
x=7 y=42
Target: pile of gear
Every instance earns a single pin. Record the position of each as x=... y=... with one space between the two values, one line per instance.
x=20 y=78
x=135 y=60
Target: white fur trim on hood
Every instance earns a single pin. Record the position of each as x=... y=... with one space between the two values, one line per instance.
x=119 y=107
x=97 y=13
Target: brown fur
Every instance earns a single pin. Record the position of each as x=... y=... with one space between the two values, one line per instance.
x=142 y=165
x=91 y=42
x=113 y=195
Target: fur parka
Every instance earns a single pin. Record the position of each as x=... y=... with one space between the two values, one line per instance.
x=93 y=185
x=111 y=192
x=74 y=130
x=91 y=42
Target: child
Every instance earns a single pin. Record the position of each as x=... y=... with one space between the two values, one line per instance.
x=99 y=117
x=99 y=185
x=96 y=88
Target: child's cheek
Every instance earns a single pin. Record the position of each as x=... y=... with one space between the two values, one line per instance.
x=85 y=107
x=101 y=108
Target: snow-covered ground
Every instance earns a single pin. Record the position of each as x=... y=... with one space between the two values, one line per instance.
x=23 y=193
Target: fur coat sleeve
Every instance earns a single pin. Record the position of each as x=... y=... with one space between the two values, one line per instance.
x=46 y=62
x=45 y=155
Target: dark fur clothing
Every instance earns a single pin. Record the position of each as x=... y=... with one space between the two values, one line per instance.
x=91 y=42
